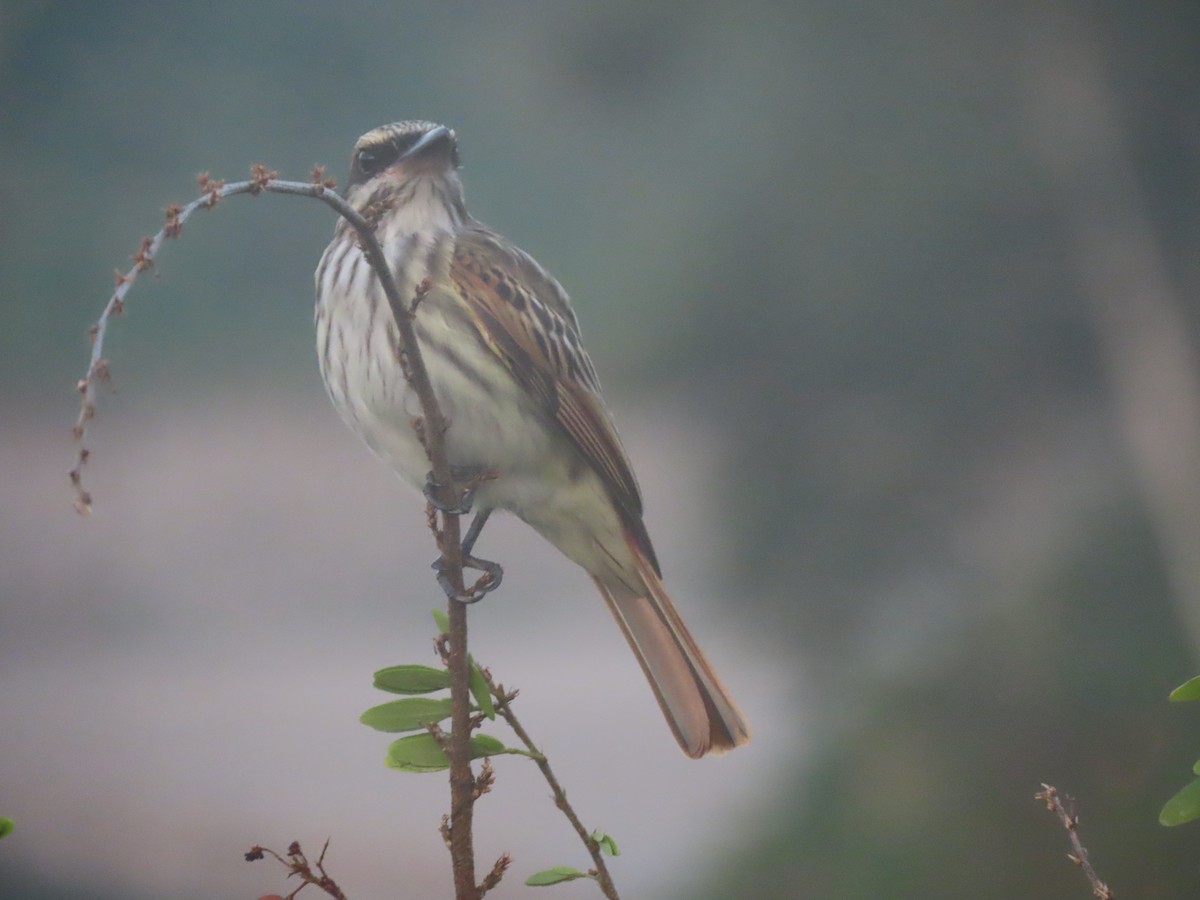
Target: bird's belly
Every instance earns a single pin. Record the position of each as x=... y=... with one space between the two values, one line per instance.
x=491 y=421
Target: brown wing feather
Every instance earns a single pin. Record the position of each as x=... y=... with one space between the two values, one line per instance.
x=525 y=317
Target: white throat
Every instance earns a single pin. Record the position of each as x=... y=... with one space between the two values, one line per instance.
x=420 y=205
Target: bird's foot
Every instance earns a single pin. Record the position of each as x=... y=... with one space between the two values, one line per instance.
x=492 y=575
x=468 y=476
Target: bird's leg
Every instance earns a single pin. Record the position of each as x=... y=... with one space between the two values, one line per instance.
x=492 y=572
x=470 y=476
x=472 y=535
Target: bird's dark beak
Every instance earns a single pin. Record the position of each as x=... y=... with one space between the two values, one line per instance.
x=431 y=138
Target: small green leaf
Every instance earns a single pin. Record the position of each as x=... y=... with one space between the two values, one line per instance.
x=412 y=679
x=1196 y=768
x=1183 y=807
x=406 y=715
x=479 y=690
x=1189 y=690
x=555 y=875
x=606 y=842
x=442 y=620
x=6 y=826
x=416 y=753
x=486 y=745
x=421 y=752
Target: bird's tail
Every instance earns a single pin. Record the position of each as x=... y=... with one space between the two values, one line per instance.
x=702 y=715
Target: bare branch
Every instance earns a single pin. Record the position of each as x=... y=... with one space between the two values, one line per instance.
x=1070 y=821
x=504 y=707
x=298 y=865
x=432 y=428
x=143 y=260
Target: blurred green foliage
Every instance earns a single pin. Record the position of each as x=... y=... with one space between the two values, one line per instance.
x=1184 y=806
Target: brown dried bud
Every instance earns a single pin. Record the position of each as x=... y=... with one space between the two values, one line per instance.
x=210 y=186
x=261 y=176
x=142 y=257
x=173 y=227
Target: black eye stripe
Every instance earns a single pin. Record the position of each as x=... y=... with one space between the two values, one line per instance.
x=405 y=142
x=374 y=159
x=383 y=152
x=377 y=157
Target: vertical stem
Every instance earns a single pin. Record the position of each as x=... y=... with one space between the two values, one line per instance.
x=462 y=779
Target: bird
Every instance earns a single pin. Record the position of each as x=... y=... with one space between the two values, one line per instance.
x=520 y=395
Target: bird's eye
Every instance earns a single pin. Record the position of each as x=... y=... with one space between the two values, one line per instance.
x=372 y=160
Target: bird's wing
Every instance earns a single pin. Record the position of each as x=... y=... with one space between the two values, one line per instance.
x=524 y=316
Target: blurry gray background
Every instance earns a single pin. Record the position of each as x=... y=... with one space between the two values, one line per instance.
x=895 y=306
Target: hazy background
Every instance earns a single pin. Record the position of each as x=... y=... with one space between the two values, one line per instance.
x=896 y=308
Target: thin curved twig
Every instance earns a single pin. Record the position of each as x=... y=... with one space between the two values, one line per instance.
x=433 y=430
x=1079 y=856
x=504 y=707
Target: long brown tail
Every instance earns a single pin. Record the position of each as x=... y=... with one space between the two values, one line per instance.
x=702 y=715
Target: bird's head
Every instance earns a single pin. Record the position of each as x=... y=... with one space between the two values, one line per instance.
x=394 y=160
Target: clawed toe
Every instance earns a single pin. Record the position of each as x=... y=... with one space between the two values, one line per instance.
x=433 y=489
x=493 y=574
x=468 y=476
